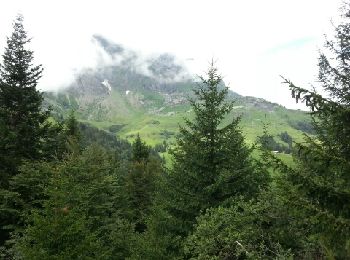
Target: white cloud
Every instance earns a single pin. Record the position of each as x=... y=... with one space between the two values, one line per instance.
x=239 y=34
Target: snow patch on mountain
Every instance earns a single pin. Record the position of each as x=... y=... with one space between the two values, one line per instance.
x=107 y=85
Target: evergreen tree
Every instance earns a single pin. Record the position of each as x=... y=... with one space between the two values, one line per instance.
x=140 y=151
x=24 y=128
x=245 y=230
x=80 y=213
x=211 y=164
x=140 y=183
x=71 y=134
x=22 y=121
x=72 y=127
x=211 y=161
x=323 y=163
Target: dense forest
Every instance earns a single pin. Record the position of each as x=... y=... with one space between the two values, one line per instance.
x=71 y=191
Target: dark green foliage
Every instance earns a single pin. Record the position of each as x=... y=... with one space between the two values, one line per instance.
x=272 y=226
x=211 y=165
x=211 y=162
x=237 y=232
x=285 y=137
x=268 y=142
x=22 y=122
x=72 y=134
x=140 y=182
x=25 y=133
x=28 y=187
x=72 y=126
x=115 y=128
x=91 y=135
x=62 y=139
x=159 y=240
x=167 y=134
x=140 y=151
x=79 y=218
x=140 y=185
x=17 y=70
x=161 y=148
x=322 y=172
x=304 y=126
x=59 y=236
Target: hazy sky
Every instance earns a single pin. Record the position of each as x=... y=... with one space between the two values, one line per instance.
x=252 y=41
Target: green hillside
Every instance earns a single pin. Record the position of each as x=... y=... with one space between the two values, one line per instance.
x=125 y=101
x=156 y=119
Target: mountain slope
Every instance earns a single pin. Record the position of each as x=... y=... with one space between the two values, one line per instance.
x=150 y=96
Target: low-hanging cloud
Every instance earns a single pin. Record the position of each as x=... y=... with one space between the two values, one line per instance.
x=100 y=52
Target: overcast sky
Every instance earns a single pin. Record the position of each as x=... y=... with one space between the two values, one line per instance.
x=252 y=41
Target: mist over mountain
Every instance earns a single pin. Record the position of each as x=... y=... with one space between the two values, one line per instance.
x=128 y=93
x=163 y=67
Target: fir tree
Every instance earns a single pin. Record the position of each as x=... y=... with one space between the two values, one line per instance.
x=211 y=163
x=71 y=134
x=79 y=217
x=322 y=173
x=72 y=126
x=140 y=151
x=24 y=128
x=21 y=117
x=140 y=183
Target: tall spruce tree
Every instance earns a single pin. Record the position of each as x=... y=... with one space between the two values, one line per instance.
x=72 y=134
x=140 y=182
x=211 y=162
x=21 y=117
x=322 y=176
x=140 y=151
x=23 y=123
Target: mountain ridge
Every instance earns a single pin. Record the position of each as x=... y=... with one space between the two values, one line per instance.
x=150 y=97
